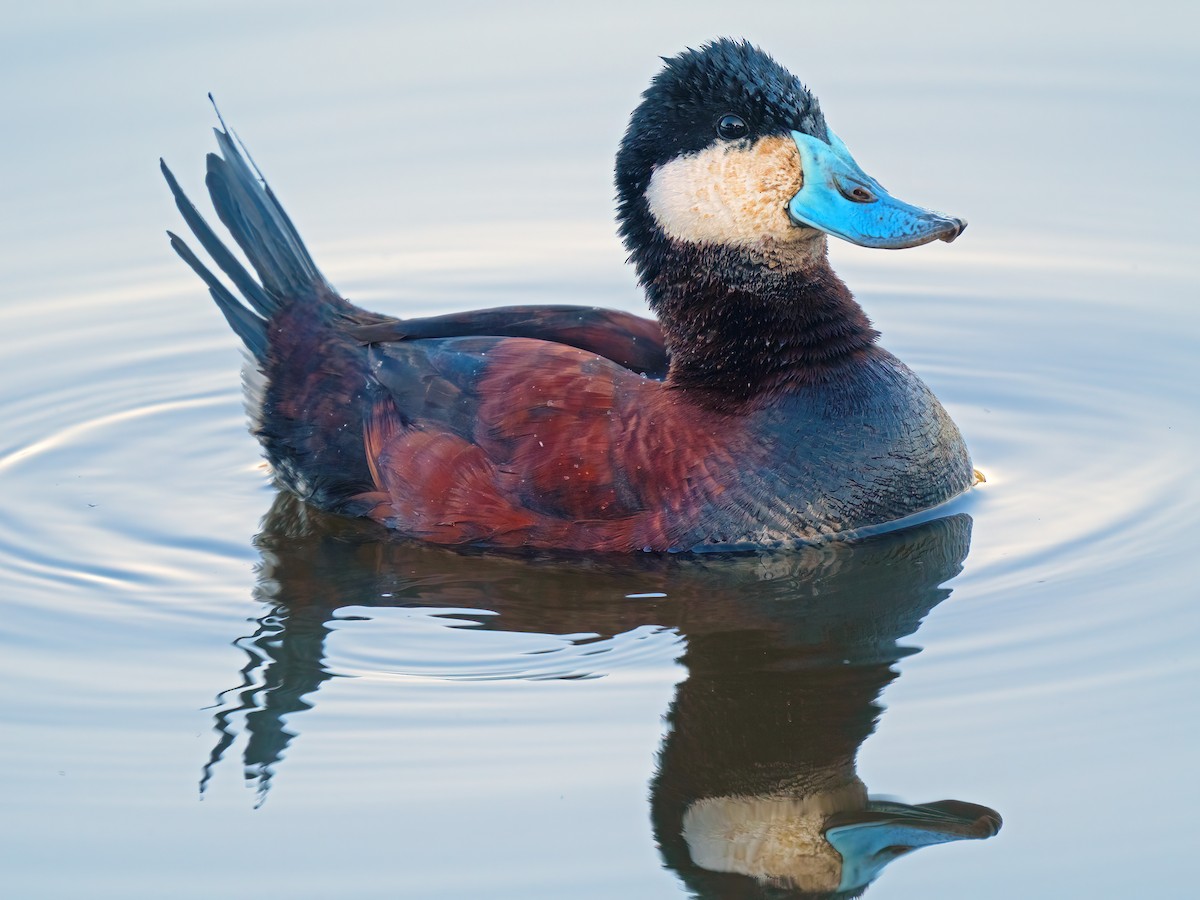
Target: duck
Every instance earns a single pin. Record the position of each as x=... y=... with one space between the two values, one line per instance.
x=756 y=410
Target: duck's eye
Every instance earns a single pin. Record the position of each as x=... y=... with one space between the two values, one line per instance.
x=732 y=127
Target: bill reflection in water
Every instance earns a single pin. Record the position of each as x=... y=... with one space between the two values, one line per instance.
x=756 y=791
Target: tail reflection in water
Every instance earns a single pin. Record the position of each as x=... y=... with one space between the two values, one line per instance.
x=756 y=793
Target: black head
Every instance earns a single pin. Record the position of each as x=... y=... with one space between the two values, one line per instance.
x=725 y=92
x=729 y=155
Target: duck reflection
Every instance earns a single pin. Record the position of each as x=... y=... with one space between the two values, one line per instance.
x=756 y=793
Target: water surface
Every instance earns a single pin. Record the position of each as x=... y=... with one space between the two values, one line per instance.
x=203 y=688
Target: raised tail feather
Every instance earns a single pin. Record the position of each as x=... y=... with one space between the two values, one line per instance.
x=286 y=273
x=246 y=206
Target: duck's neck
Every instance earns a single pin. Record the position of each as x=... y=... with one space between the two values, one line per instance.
x=742 y=327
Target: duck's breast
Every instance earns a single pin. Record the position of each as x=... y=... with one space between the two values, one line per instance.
x=869 y=447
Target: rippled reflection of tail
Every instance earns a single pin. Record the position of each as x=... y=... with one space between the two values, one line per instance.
x=284 y=665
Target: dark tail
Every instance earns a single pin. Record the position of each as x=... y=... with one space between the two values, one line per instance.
x=248 y=208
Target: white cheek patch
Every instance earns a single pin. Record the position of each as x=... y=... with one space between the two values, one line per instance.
x=730 y=194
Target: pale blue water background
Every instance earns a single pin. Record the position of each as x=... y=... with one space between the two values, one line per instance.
x=439 y=157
